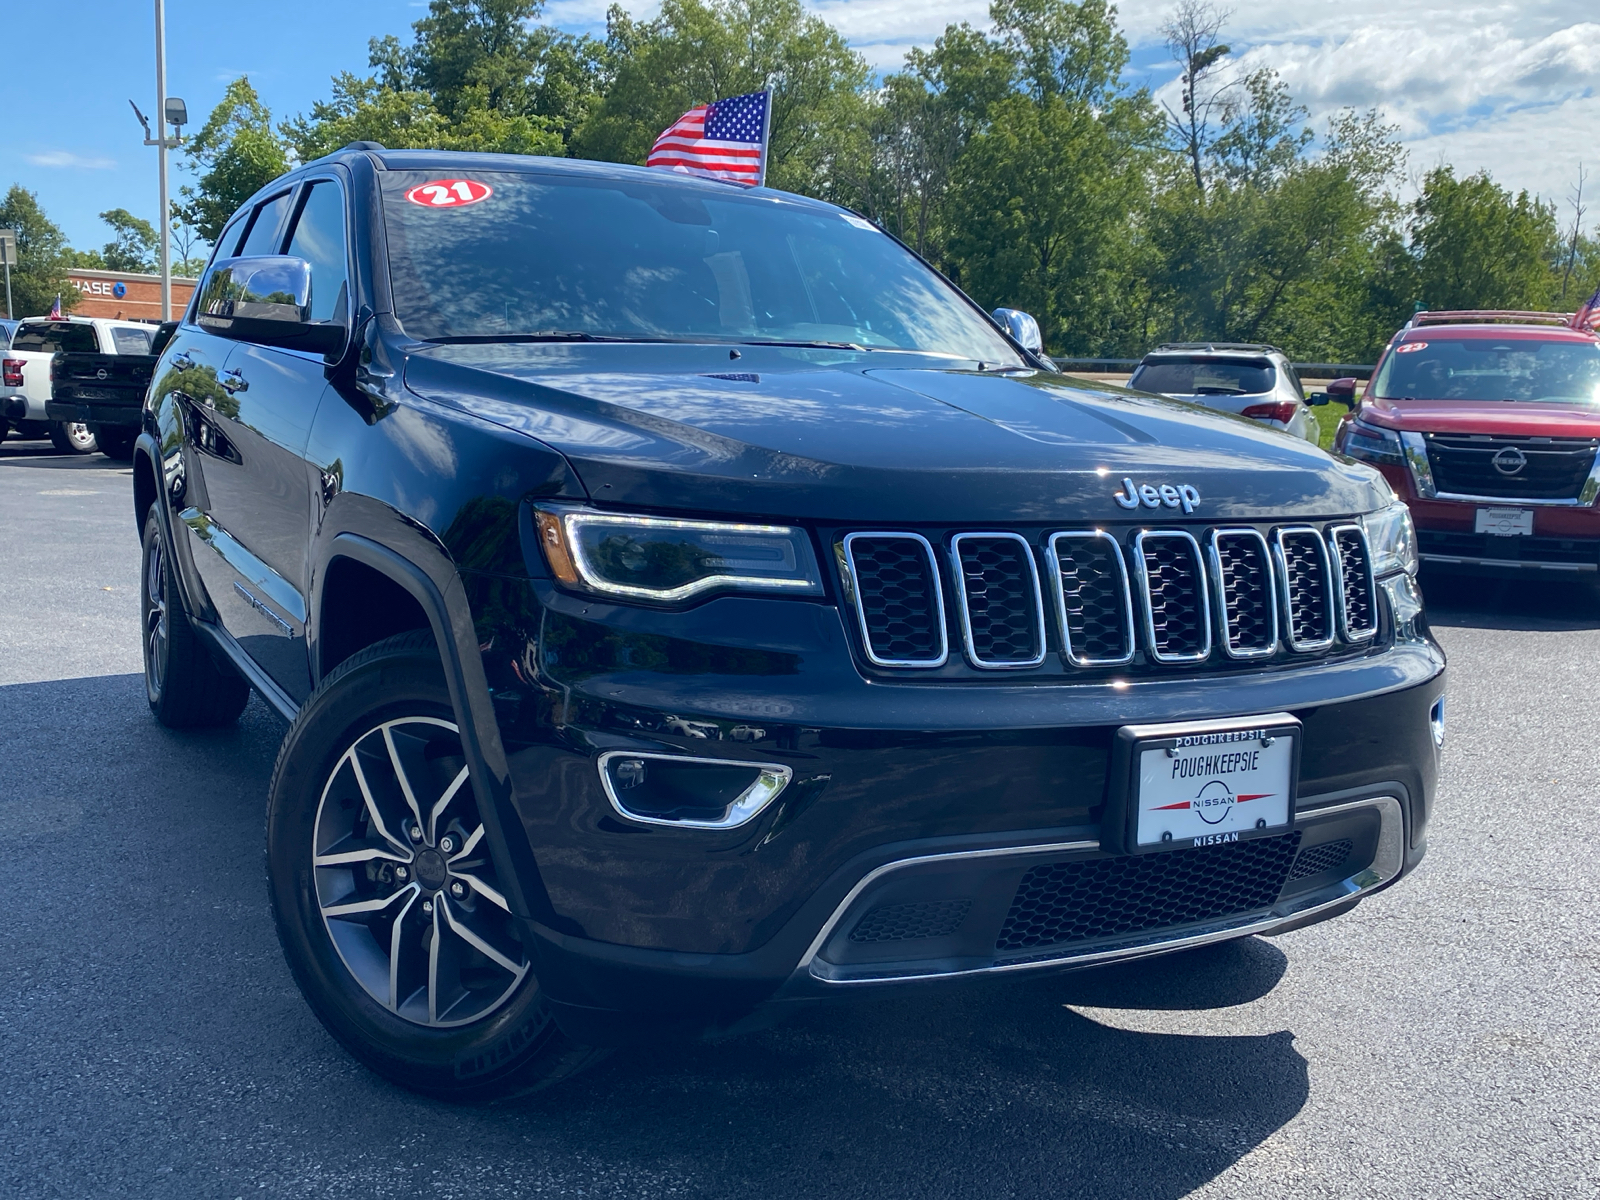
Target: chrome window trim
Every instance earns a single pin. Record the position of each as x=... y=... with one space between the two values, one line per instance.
x=960 y=576
x=1387 y=863
x=1202 y=589
x=735 y=818
x=1336 y=563
x=1215 y=558
x=849 y=563
x=1060 y=591
x=1282 y=567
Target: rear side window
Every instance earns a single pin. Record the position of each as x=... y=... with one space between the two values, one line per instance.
x=263 y=235
x=1205 y=377
x=53 y=337
x=319 y=239
x=131 y=341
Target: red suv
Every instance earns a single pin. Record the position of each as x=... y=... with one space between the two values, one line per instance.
x=1487 y=424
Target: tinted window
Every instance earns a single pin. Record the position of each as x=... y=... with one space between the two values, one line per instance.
x=319 y=239
x=131 y=341
x=1491 y=369
x=55 y=336
x=1204 y=377
x=263 y=235
x=547 y=254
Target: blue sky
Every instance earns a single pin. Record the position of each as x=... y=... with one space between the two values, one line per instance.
x=1499 y=84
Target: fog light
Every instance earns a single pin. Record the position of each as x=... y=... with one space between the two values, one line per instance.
x=691 y=793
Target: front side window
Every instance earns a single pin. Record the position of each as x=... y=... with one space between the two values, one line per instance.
x=131 y=341
x=56 y=337
x=319 y=239
x=1491 y=368
x=553 y=255
x=1205 y=377
x=263 y=235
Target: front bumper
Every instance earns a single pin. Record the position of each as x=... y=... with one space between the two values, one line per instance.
x=923 y=794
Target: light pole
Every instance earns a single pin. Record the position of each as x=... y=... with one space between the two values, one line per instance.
x=169 y=111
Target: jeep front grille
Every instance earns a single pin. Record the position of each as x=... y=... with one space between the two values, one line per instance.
x=1237 y=593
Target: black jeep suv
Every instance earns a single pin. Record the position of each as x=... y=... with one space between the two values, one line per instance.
x=689 y=605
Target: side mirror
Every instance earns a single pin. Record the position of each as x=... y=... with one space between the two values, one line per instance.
x=1024 y=330
x=267 y=300
x=1344 y=391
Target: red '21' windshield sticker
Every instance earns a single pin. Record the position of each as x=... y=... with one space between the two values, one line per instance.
x=449 y=193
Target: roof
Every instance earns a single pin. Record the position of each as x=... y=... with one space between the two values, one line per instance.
x=1214 y=350
x=1481 y=330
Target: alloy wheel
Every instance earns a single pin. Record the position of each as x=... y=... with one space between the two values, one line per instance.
x=405 y=885
x=81 y=437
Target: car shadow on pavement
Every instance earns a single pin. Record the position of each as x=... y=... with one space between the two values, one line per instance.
x=1474 y=602
x=15 y=453
x=146 y=1000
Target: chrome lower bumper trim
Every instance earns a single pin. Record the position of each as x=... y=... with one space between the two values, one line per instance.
x=1520 y=564
x=1387 y=863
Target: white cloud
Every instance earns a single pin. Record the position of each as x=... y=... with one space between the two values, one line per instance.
x=66 y=158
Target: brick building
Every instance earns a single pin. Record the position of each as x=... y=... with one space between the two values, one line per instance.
x=130 y=297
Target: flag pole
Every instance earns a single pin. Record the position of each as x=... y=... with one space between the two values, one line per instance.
x=766 y=137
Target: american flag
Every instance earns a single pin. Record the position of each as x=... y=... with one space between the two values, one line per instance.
x=55 y=309
x=1584 y=317
x=724 y=140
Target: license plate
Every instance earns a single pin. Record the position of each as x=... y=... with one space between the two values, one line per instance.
x=1208 y=783
x=1505 y=522
x=94 y=393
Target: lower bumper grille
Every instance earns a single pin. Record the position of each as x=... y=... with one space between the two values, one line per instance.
x=1089 y=899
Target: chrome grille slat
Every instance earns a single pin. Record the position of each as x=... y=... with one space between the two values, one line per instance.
x=1305 y=582
x=1177 y=609
x=998 y=600
x=1247 y=603
x=893 y=581
x=1353 y=584
x=1094 y=604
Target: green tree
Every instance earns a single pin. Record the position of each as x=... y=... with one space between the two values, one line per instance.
x=43 y=256
x=235 y=154
x=1477 y=246
x=133 y=246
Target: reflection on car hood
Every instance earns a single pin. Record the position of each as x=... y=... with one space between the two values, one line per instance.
x=836 y=435
x=1506 y=418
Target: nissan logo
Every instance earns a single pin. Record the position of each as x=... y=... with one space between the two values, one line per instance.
x=1509 y=461
x=100 y=374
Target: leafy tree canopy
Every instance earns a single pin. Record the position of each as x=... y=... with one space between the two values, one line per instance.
x=42 y=256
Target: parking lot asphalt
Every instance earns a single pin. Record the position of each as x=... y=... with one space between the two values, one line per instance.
x=1440 y=1041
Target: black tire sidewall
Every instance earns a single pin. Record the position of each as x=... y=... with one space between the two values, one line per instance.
x=467 y=1061
x=152 y=538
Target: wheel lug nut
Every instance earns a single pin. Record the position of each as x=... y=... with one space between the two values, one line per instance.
x=447 y=843
x=427 y=906
x=416 y=833
x=458 y=890
x=401 y=873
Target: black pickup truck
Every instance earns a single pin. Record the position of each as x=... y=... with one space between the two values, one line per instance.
x=105 y=392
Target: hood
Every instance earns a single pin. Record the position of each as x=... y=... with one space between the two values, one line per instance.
x=1495 y=417
x=846 y=436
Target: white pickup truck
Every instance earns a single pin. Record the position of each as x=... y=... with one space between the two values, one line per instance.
x=25 y=372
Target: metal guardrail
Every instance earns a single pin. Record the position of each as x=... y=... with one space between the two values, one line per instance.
x=1316 y=370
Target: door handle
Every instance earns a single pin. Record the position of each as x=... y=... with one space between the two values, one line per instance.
x=183 y=362
x=234 y=381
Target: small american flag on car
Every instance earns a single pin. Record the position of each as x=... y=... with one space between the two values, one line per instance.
x=724 y=140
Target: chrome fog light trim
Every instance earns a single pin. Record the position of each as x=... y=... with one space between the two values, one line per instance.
x=620 y=765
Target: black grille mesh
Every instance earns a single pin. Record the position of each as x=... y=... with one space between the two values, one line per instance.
x=903 y=922
x=1002 y=607
x=1096 y=603
x=1306 y=582
x=1355 y=572
x=1531 y=468
x=1314 y=860
x=1173 y=571
x=1246 y=587
x=895 y=583
x=1096 y=898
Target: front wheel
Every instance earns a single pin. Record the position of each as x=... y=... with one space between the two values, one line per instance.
x=387 y=901
x=72 y=437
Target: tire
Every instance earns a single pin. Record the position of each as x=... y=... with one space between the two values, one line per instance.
x=115 y=442
x=398 y=935
x=186 y=687
x=72 y=437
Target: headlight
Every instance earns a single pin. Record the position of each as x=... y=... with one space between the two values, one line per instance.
x=659 y=559
x=1373 y=444
x=1392 y=540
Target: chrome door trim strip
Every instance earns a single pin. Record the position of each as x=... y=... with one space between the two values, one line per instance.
x=1202 y=590
x=1222 y=599
x=1053 y=558
x=848 y=561
x=962 y=610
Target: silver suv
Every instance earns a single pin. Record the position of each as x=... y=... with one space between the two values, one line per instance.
x=1247 y=378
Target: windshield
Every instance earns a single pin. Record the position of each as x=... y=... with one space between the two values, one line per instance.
x=543 y=254
x=52 y=337
x=1204 y=377
x=1492 y=369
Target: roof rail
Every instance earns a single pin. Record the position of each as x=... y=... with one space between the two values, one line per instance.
x=1471 y=316
x=1257 y=347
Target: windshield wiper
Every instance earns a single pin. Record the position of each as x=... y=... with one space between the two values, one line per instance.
x=552 y=335
x=1219 y=391
x=812 y=345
